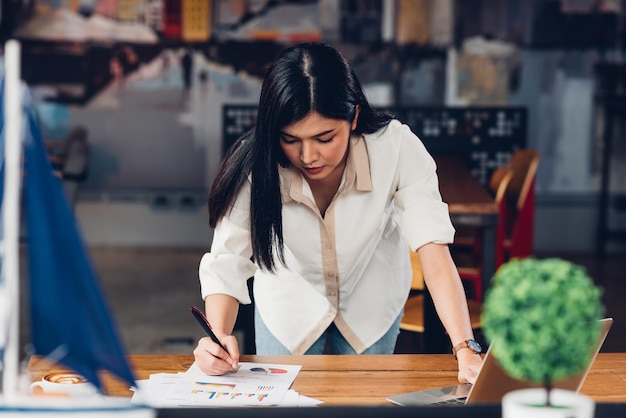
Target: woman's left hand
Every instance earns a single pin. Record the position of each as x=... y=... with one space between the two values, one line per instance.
x=469 y=365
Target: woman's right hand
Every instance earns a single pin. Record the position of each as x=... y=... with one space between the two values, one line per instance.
x=212 y=360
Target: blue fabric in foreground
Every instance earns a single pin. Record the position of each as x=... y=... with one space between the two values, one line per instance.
x=69 y=316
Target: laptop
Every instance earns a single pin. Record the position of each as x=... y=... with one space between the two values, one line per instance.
x=492 y=383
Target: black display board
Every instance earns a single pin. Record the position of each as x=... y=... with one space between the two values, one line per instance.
x=485 y=137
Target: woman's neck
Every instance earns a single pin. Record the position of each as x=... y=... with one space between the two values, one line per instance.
x=324 y=190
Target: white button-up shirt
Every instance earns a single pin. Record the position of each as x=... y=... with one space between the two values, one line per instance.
x=350 y=266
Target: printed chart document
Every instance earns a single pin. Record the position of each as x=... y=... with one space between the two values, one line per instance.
x=254 y=384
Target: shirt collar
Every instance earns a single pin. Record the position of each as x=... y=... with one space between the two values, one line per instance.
x=359 y=163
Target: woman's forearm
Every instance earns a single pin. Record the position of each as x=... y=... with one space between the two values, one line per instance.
x=221 y=311
x=441 y=277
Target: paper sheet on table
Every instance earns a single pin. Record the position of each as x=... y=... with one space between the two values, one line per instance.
x=293 y=398
x=154 y=390
x=254 y=384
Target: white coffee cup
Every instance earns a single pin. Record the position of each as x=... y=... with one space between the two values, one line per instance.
x=64 y=384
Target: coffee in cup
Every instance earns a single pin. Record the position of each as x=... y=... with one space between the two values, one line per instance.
x=63 y=384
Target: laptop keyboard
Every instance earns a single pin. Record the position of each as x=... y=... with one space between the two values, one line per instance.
x=453 y=401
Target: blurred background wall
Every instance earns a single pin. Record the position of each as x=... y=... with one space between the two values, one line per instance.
x=149 y=80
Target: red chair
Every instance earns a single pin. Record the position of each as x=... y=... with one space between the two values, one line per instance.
x=519 y=219
x=467 y=247
x=513 y=187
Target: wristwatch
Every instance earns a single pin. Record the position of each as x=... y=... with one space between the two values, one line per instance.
x=471 y=344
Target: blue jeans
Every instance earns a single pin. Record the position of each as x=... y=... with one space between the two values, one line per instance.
x=332 y=339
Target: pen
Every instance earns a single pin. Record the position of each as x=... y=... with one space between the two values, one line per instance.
x=197 y=313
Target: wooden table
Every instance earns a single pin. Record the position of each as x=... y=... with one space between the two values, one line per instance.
x=364 y=380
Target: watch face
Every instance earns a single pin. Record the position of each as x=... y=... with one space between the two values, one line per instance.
x=474 y=346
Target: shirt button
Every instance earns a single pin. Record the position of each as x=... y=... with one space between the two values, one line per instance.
x=331 y=293
x=329 y=246
x=330 y=274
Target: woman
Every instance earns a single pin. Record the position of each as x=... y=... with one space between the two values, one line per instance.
x=319 y=203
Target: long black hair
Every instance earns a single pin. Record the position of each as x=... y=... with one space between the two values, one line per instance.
x=306 y=77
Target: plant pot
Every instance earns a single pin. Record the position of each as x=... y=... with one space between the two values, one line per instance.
x=526 y=403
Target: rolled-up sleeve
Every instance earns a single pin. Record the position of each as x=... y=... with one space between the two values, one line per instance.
x=227 y=267
x=424 y=216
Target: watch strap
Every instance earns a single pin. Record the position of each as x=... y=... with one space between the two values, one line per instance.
x=462 y=345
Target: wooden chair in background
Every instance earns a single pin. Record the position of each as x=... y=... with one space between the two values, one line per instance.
x=413 y=318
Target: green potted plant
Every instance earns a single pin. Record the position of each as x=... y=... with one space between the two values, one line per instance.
x=543 y=316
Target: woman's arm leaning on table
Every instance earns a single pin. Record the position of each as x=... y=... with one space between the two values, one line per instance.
x=444 y=284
